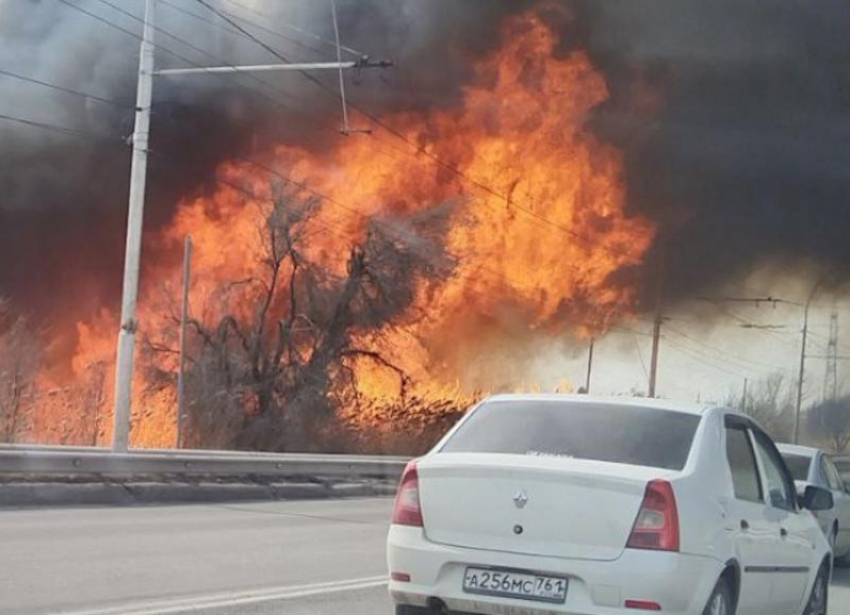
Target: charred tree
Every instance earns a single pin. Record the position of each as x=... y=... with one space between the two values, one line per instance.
x=267 y=368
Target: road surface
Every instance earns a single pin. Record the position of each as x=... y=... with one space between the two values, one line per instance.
x=316 y=558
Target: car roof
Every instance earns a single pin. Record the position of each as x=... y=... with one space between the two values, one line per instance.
x=641 y=402
x=795 y=449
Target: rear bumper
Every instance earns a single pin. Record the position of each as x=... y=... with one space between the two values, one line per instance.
x=681 y=584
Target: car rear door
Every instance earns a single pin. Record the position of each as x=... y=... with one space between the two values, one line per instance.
x=793 y=534
x=746 y=518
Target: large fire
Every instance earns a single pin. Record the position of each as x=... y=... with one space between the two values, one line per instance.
x=538 y=230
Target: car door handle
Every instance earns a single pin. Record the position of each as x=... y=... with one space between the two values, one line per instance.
x=745 y=525
x=783 y=532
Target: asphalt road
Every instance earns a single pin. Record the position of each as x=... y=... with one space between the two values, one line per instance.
x=299 y=558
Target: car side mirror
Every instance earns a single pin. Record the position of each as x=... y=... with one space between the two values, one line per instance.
x=816 y=498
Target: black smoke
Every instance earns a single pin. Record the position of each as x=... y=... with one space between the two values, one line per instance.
x=63 y=199
x=743 y=156
x=746 y=157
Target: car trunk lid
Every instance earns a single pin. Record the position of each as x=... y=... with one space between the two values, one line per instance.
x=530 y=504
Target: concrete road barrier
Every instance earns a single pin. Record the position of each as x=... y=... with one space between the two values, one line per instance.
x=45 y=475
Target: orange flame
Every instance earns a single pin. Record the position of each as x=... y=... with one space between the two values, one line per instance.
x=539 y=231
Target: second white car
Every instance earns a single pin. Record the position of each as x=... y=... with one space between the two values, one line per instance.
x=811 y=466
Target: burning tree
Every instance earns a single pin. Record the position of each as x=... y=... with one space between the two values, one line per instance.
x=19 y=360
x=90 y=398
x=272 y=355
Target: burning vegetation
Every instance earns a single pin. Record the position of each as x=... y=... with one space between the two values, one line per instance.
x=363 y=296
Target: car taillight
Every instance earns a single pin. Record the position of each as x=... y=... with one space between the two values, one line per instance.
x=657 y=524
x=407 y=509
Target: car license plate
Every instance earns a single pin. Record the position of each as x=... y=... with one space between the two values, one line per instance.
x=509 y=584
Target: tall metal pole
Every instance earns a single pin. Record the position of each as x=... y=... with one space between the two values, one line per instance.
x=184 y=316
x=656 y=339
x=802 y=375
x=132 y=256
x=659 y=320
x=589 y=366
x=830 y=374
x=341 y=77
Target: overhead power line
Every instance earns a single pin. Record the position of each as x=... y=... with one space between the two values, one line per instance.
x=698 y=359
x=250 y=161
x=66 y=90
x=356 y=212
x=417 y=149
x=71 y=132
x=288 y=26
x=534 y=216
x=757 y=301
x=255 y=163
x=233 y=79
x=99 y=18
x=733 y=360
x=222 y=28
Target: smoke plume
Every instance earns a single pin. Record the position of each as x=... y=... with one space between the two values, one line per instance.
x=731 y=115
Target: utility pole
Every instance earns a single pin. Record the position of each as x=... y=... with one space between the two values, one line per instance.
x=132 y=256
x=744 y=395
x=830 y=380
x=589 y=366
x=138 y=176
x=656 y=335
x=653 y=367
x=802 y=375
x=184 y=316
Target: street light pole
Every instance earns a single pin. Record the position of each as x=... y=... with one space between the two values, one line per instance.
x=132 y=256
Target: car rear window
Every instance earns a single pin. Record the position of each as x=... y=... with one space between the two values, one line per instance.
x=602 y=432
x=799 y=465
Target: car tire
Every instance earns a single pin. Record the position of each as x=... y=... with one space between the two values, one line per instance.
x=844 y=560
x=721 y=601
x=818 y=603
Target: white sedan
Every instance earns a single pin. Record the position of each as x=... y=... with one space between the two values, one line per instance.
x=547 y=504
x=811 y=466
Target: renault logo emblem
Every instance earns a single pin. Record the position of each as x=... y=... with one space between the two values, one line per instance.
x=521 y=499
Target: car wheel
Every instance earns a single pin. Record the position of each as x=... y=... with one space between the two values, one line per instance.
x=844 y=560
x=721 y=601
x=819 y=598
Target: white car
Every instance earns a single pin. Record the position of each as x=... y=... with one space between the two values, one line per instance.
x=547 y=504
x=811 y=466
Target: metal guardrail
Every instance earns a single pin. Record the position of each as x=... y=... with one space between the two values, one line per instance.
x=47 y=460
